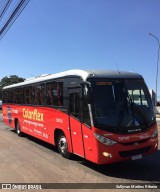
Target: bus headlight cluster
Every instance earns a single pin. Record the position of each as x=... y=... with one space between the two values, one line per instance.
x=104 y=140
x=155 y=134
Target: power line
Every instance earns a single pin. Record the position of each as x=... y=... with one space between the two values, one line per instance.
x=4 y=8
x=11 y=15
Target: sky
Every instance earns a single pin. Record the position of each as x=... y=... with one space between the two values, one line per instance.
x=52 y=36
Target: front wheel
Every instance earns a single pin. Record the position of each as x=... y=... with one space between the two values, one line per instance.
x=18 y=129
x=63 y=146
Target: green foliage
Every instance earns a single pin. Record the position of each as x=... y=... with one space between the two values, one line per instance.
x=12 y=79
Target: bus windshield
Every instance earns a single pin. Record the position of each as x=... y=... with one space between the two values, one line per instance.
x=122 y=106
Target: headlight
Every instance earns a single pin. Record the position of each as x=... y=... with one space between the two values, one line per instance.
x=104 y=140
x=155 y=134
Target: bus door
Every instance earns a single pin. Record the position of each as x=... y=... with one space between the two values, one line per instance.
x=75 y=121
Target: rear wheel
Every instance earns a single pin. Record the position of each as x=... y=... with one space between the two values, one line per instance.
x=63 y=146
x=18 y=129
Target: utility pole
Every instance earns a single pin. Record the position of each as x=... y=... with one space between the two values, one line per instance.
x=157 y=67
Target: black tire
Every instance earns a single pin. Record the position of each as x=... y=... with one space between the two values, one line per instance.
x=63 y=146
x=18 y=129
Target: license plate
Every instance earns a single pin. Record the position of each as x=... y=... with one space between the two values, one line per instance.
x=136 y=157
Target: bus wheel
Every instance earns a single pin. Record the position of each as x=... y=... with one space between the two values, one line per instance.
x=18 y=129
x=63 y=146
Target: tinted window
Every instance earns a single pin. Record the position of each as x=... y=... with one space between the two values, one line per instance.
x=39 y=91
x=54 y=93
x=12 y=96
x=8 y=96
x=121 y=105
x=75 y=105
x=5 y=97
x=28 y=95
x=86 y=116
x=18 y=96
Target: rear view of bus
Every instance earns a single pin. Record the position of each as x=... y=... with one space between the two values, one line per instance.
x=124 y=122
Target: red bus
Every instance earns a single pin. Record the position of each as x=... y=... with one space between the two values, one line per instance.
x=102 y=116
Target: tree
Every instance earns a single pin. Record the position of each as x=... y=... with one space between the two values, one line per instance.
x=12 y=79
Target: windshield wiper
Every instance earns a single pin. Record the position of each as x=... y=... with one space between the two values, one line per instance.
x=125 y=108
x=121 y=115
x=135 y=123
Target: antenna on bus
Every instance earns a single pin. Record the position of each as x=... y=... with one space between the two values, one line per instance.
x=117 y=68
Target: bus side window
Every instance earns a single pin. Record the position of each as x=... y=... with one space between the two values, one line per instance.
x=75 y=105
x=85 y=108
x=8 y=96
x=49 y=95
x=5 y=96
x=28 y=95
x=12 y=94
x=86 y=116
x=40 y=94
x=54 y=93
x=35 y=95
x=18 y=96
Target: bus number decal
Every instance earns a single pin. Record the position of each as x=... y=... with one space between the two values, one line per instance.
x=58 y=120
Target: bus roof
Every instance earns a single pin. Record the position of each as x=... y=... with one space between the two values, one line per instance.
x=84 y=74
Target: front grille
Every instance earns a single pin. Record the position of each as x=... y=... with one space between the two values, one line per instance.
x=132 y=143
x=134 y=152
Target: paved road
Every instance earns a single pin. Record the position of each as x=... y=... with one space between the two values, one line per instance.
x=25 y=159
x=1 y=117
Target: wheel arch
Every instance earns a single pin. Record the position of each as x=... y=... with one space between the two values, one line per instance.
x=59 y=131
x=15 y=122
